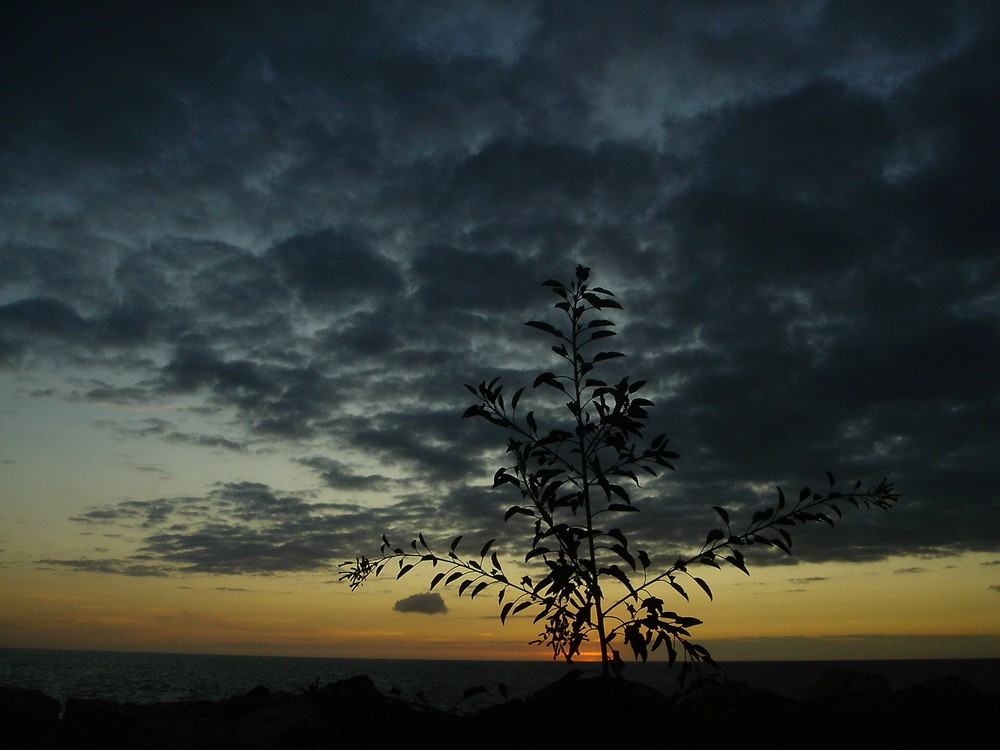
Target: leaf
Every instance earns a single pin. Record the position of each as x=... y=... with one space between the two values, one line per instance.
x=736 y=560
x=713 y=536
x=455 y=541
x=624 y=554
x=603 y=334
x=723 y=514
x=517 y=509
x=502 y=477
x=549 y=379
x=547 y=327
x=517 y=397
x=601 y=356
x=781 y=544
x=486 y=548
x=804 y=493
x=536 y=552
x=679 y=589
x=403 y=571
x=704 y=586
x=633 y=637
x=615 y=572
x=622 y=508
x=479 y=587
x=436 y=579
x=619 y=535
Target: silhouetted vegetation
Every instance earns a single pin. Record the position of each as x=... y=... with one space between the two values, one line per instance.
x=573 y=480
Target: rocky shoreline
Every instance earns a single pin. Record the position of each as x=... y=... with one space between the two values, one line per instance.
x=578 y=711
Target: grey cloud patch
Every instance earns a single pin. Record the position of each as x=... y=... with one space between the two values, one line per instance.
x=41 y=316
x=452 y=280
x=250 y=528
x=334 y=267
x=107 y=566
x=207 y=441
x=339 y=476
x=168 y=432
x=430 y=603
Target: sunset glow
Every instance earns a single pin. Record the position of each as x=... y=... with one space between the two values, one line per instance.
x=249 y=255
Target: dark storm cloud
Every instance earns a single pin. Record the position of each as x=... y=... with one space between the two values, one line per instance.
x=333 y=268
x=320 y=225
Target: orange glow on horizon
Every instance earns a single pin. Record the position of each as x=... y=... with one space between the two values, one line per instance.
x=864 y=609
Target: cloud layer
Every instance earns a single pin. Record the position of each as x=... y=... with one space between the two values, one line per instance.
x=317 y=226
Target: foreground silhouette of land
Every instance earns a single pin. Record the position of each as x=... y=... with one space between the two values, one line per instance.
x=844 y=708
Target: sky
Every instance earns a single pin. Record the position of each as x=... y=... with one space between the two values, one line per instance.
x=250 y=253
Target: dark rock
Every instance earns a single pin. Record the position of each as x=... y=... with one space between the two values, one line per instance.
x=96 y=717
x=851 y=708
x=28 y=718
x=844 y=709
x=846 y=685
x=948 y=708
x=734 y=708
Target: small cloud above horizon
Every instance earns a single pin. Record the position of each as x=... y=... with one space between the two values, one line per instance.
x=426 y=604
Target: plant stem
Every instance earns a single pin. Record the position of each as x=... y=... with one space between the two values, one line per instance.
x=585 y=489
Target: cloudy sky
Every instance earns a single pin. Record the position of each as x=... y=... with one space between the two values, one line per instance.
x=249 y=255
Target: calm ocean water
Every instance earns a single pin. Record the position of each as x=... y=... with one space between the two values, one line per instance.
x=151 y=677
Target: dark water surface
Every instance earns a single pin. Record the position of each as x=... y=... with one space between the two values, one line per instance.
x=152 y=677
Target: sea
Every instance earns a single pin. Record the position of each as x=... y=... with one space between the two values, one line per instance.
x=449 y=685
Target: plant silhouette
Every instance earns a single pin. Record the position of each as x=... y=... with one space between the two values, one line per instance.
x=573 y=482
